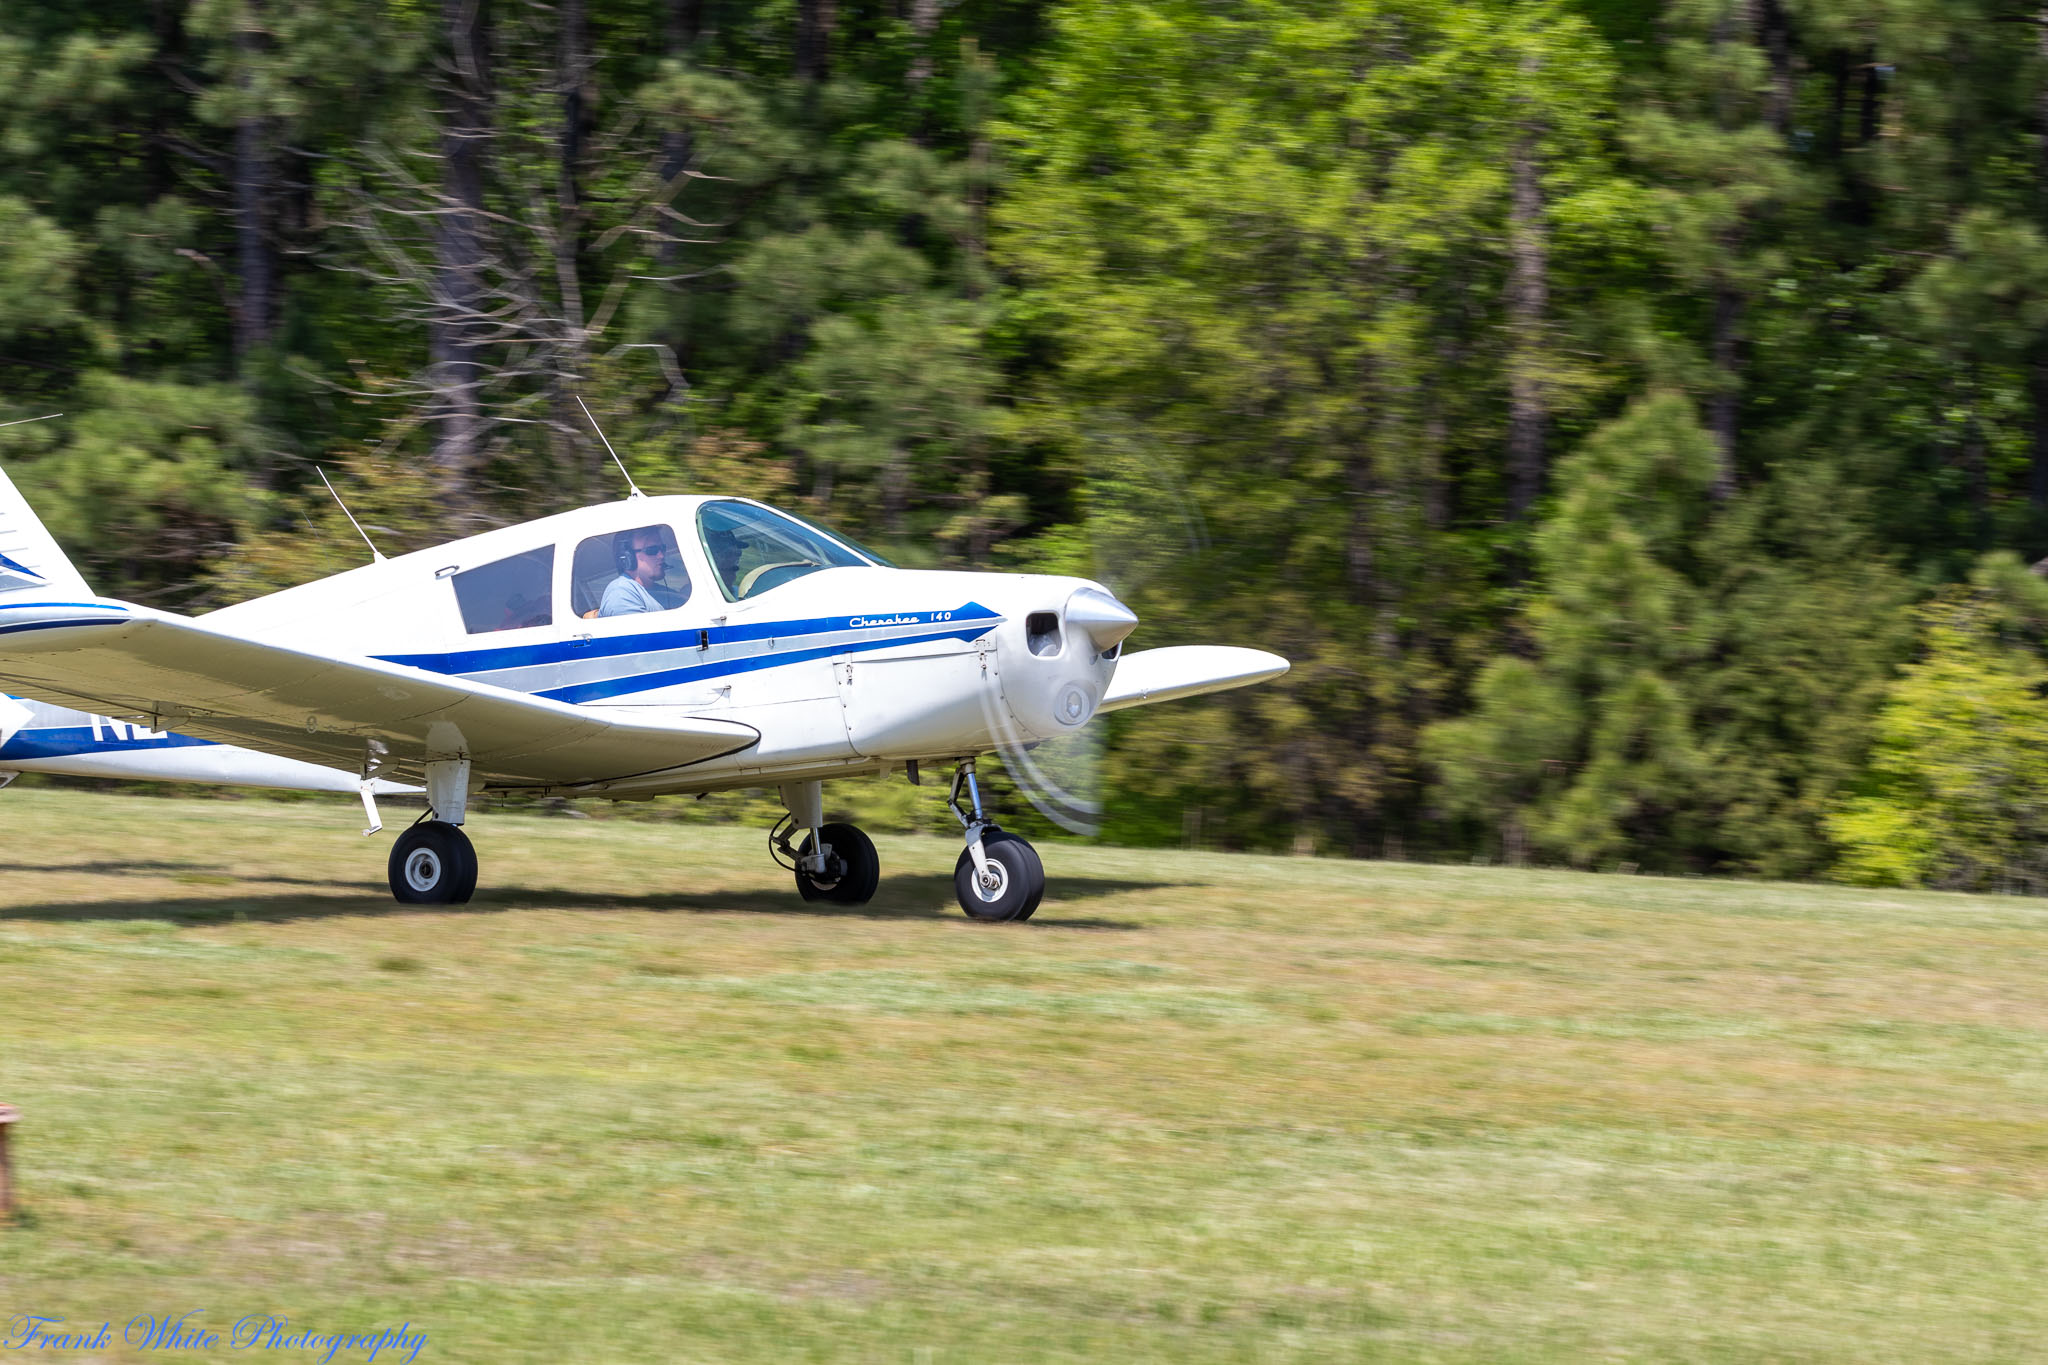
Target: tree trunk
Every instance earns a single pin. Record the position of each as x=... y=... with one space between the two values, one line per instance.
x=2041 y=98
x=578 y=99
x=1775 y=34
x=575 y=453
x=815 y=20
x=2037 y=485
x=685 y=22
x=1726 y=408
x=2037 y=480
x=159 y=171
x=924 y=22
x=254 y=177
x=458 y=250
x=1528 y=304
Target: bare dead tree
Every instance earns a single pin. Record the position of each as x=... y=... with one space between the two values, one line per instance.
x=513 y=268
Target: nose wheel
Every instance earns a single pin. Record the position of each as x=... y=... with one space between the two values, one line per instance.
x=998 y=878
x=1007 y=886
x=433 y=863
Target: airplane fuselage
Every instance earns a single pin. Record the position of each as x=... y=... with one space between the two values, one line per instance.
x=836 y=669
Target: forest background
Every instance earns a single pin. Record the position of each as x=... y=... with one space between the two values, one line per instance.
x=1631 y=418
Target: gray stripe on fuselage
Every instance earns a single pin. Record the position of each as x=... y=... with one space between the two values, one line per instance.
x=580 y=672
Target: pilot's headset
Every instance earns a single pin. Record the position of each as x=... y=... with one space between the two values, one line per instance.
x=622 y=552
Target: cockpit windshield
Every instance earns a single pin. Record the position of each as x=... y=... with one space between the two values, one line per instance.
x=753 y=549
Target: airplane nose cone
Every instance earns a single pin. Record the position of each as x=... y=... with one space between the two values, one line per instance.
x=1103 y=619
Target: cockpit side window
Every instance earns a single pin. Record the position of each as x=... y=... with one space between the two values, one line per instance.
x=624 y=573
x=508 y=594
x=753 y=549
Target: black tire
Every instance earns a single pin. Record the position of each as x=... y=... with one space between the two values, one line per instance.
x=855 y=868
x=1021 y=876
x=433 y=863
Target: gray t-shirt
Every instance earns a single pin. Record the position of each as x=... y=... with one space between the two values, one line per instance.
x=623 y=596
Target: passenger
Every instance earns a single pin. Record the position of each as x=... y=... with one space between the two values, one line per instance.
x=643 y=562
x=725 y=551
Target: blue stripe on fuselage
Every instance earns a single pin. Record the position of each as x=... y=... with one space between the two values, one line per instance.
x=527 y=656
x=70 y=741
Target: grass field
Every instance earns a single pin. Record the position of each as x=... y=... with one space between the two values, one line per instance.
x=640 y=1103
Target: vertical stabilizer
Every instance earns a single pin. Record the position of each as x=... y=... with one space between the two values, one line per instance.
x=30 y=561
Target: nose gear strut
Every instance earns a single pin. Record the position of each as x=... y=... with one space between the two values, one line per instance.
x=998 y=877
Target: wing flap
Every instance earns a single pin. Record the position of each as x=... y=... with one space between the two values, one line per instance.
x=1186 y=671
x=176 y=673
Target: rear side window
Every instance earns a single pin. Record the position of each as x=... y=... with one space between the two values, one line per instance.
x=508 y=594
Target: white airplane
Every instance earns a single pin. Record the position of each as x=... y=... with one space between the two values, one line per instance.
x=652 y=645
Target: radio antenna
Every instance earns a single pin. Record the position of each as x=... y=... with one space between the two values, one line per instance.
x=608 y=447
x=19 y=421
x=375 y=554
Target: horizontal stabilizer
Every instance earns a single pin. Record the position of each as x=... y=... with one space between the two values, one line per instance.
x=1187 y=671
x=174 y=673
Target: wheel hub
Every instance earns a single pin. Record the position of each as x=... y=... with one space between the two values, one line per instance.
x=992 y=881
x=423 y=869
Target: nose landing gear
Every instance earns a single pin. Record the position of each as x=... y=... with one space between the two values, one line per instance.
x=998 y=878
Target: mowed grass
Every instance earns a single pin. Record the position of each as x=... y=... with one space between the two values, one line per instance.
x=639 y=1102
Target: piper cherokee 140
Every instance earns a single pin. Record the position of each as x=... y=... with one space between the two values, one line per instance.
x=652 y=645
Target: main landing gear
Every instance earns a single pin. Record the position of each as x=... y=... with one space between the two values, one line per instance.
x=833 y=862
x=998 y=878
x=433 y=863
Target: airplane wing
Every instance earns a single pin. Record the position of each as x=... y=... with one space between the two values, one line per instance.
x=1186 y=671
x=176 y=673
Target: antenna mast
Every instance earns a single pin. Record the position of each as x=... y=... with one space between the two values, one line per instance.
x=22 y=421
x=376 y=554
x=608 y=448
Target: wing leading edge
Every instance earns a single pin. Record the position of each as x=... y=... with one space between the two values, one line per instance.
x=1186 y=671
x=176 y=673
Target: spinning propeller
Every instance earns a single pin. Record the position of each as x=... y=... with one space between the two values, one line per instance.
x=1141 y=520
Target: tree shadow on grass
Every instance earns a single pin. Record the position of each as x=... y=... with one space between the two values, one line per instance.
x=900 y=898
x=105 y=867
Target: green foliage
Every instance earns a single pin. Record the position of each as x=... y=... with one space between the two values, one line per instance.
x=1236 y=305
x=1957 y=794
x=149 y=485
x=1703 y=681
x=38 y=260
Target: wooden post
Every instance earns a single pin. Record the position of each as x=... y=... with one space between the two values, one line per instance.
x=9 y=1116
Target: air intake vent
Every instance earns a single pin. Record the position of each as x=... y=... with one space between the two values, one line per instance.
x=1042 y=633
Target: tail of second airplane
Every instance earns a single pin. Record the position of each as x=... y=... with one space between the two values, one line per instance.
x=30 y=561
x=37 y=736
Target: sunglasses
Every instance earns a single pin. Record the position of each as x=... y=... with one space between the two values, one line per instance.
x=650 y=550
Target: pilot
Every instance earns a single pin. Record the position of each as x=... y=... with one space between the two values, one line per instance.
x=643 y=562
